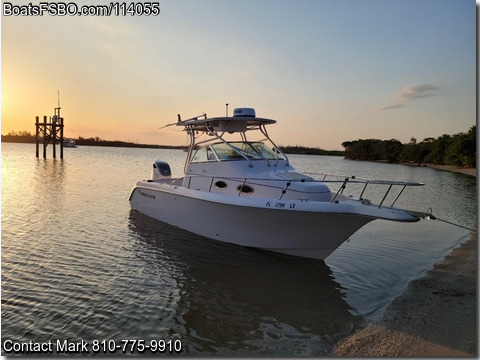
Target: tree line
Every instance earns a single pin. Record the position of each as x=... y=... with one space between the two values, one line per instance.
x=302 y=150
x=20 y=136
x=27 y=137
x=458 y=150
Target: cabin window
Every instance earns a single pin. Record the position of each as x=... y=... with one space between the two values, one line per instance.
x=200 y=155
x=246 y=189
x=221 y=184
x=204 y=153
x=211 y=154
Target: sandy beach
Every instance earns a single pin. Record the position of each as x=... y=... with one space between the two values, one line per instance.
x=467 y=171
x=436 y=316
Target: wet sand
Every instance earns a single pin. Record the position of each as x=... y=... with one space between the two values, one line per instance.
x=435 y=316
x=467 y=171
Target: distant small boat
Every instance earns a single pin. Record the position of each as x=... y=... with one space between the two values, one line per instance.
x=69 y=143
x=247 y=193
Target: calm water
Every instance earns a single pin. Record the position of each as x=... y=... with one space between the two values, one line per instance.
x=77 y=264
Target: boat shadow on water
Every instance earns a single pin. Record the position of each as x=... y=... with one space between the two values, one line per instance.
x=232 y=300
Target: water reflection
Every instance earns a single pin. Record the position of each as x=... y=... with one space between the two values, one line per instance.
x=48 y=180
x=233 y=300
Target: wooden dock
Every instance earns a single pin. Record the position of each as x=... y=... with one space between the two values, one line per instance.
x=51 y=131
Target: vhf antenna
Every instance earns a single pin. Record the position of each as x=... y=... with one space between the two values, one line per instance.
x=57 y=109
x=58 y=98
x=226 y=105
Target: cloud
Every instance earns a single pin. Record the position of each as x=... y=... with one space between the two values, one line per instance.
x=408 y=94
x=388 y=107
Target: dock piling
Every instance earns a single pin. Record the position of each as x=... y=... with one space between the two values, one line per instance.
x=51 y=132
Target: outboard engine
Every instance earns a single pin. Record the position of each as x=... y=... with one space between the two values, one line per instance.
x=161 y=170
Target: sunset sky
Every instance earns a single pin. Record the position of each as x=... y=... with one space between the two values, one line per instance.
x=327 y=70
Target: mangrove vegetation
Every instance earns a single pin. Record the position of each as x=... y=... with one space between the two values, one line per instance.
x=458 y=150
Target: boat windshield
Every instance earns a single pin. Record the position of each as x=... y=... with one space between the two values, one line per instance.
x=236 y=151
x=250 y=150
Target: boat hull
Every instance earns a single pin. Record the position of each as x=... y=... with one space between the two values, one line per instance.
x=307 y=229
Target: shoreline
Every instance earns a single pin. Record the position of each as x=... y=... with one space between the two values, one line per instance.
x=452 y=168
x=435 y=316
x=466 y=171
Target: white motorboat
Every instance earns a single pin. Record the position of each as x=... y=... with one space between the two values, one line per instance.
x=246 y=192
x=69 y=143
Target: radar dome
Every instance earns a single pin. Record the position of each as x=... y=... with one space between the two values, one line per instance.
x=244 y=112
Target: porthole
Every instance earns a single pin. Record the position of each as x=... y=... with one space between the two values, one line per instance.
x=221 y=184
x=246 y=189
